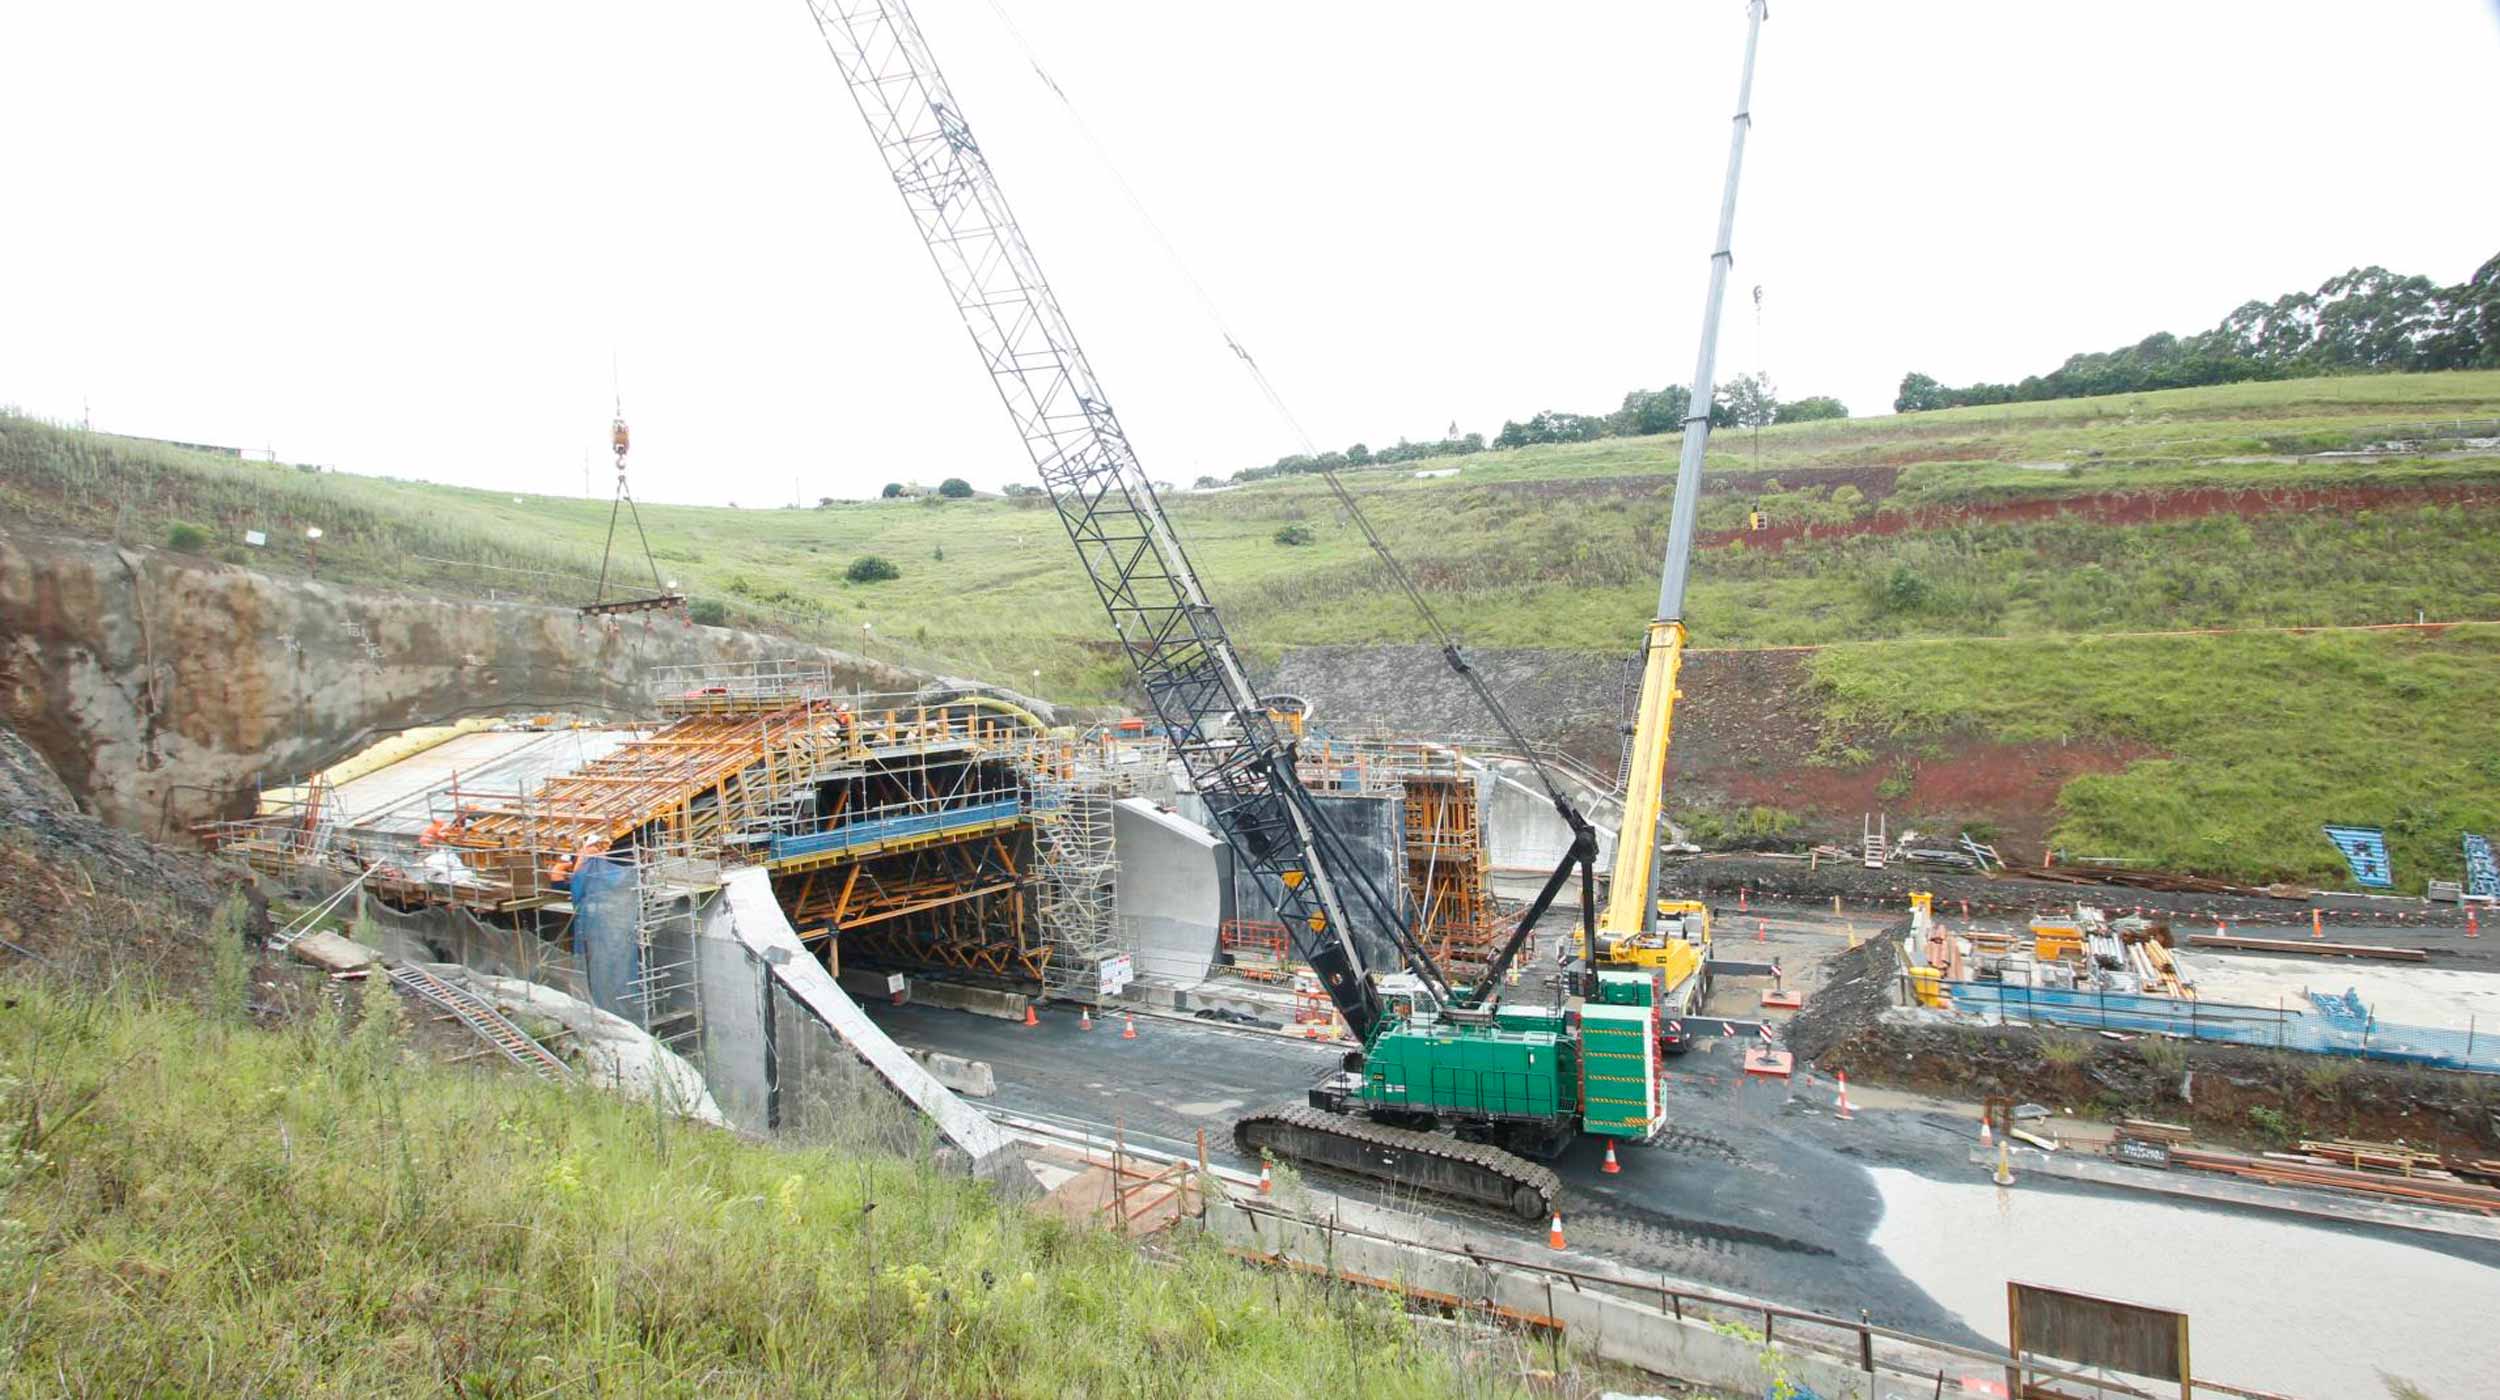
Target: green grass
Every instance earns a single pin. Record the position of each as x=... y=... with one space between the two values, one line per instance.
x=211 y=1209
x=1559 y=546
x=2262 y=741
x=1545 y=546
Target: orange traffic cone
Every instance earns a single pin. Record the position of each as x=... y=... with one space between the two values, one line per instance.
x=1762 y=930
x=2221 y=929
x=1985 y=1137
x=1842 y=1110
x=2317 y=923
x=1029 y=1018
x=1129 y=1030
x=1085 y=1018
x=1267 y=1183
x=1553 y=1233
x=2473 y=928
x=1742 y=907
x=1611 y=1164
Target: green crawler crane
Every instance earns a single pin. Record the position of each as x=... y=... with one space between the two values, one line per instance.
x=1453 y=1089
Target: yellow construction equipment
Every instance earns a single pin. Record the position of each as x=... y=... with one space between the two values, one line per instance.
x=1635 y=928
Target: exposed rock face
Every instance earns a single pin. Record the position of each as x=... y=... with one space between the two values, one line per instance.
x=166 y=690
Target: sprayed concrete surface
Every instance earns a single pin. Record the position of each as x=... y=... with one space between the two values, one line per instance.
x=2271 y=1305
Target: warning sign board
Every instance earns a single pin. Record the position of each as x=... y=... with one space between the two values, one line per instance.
x=1118 y=971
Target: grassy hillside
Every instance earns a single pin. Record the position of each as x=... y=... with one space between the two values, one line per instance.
x=1545 y=546
x=2354 y=500
x=207 y=1208
x=2256 y=741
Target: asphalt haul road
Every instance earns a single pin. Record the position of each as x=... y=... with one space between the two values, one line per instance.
x=1741 y=1194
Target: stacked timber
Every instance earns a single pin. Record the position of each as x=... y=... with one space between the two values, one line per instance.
x=2429 y=1185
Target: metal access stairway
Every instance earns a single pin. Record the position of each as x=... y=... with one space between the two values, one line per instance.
x=481 y=1017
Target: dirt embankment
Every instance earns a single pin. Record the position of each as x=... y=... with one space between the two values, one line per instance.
x=1748 y=725
x=165 y=690
x=2113 y=508
x=91 y=901
x=2229 y=1094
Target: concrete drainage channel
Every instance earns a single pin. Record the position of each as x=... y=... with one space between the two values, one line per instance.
x=1591 y=1305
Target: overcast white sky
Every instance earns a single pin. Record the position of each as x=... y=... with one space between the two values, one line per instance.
x=411 y=240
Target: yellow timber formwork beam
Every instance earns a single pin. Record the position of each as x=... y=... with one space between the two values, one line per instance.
x=1627 y=909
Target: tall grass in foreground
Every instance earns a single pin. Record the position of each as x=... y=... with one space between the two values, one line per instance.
x=194 y=1206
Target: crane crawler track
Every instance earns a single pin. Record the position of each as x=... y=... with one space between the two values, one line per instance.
x=1474 y=1172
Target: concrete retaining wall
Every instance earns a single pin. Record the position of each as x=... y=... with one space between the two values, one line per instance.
x=450 y=935
x=828 y=1071
x=892 y=988
x=1170 y=891
x=980 y=1001
x=1608 y=1325
x=964 y=1076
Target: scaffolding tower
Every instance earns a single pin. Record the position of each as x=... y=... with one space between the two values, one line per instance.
x=1076 y=869
x=663 y=997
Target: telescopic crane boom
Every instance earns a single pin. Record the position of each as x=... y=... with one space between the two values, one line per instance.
x=1628 y=929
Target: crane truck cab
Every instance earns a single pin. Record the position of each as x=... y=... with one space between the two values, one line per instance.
x=1676 y=954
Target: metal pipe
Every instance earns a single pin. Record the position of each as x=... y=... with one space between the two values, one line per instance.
x=1697 y=413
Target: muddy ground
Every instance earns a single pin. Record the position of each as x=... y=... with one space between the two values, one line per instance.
x=99 y=908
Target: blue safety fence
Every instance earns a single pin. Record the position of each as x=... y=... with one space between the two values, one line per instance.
x=2327 y=1025
x=870 y=831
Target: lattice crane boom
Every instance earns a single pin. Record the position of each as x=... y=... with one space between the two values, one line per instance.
x=1193 y=679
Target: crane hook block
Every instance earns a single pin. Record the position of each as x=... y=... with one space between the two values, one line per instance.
x=618 y=437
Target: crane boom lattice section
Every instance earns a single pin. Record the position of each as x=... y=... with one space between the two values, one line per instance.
x=1192 y=677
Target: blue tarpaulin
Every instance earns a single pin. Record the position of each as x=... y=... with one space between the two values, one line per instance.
x=2482 y=874
x=2365 y=850
x=606 y=911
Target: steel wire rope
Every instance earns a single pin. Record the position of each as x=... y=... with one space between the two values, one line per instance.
x=1439 y=630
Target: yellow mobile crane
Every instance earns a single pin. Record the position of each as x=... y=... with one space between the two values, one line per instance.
x=1636 y=929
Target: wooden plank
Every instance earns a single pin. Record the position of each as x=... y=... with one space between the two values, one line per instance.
x=2309 y=946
